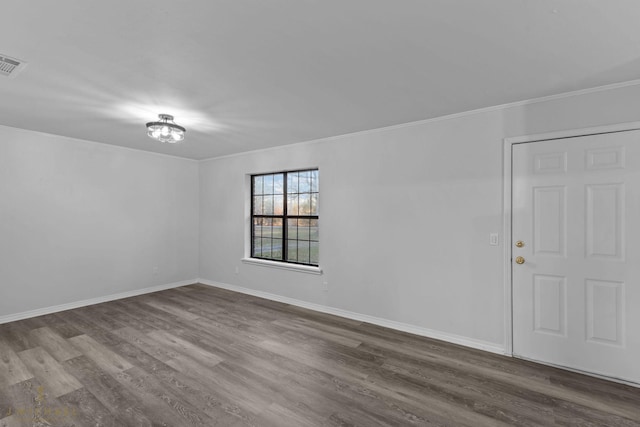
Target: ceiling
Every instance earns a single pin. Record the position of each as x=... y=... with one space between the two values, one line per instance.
x=243 y=75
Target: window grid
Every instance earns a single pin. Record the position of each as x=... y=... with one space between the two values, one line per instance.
x=284 y=216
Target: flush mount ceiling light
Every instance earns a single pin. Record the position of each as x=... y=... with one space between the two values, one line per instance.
x=165 y=130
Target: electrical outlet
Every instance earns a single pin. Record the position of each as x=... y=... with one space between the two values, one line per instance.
x=155 y=270
x=237 y=269
x=325 y=286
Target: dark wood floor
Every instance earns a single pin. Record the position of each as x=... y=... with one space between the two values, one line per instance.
x=208 y=357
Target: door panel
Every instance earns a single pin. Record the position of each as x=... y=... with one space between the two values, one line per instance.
x=576 y=297
x=605 y=221
x=605 y=312
x=550 y=307
x=549 y=220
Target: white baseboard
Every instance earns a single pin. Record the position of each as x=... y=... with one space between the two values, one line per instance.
x=404 y=327
x=91 y=301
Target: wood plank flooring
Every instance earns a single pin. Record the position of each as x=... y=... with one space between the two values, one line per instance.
x=201 y=356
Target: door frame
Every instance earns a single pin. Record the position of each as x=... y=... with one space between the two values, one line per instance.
x=507 y=179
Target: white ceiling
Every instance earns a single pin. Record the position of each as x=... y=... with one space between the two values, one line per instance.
x=249 y=74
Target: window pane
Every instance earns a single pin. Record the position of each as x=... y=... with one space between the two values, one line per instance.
x=303 y=252
x=267 y=205
x=268 y=184
x=313 y=229
x=276 y=251
x=276 y=243
x=278 y=184
x=292 y=182
x=266 y=248
x=315 y=253
x=257 y=205
x=257 y=246
x=314 y=181
x=303 y=223
x=303 y=233
x=292 y=231
x=314 y=204
x=278 y=205
x=277 y=228
x=292 y=250
x=266 y=227
x=292 y=204
x=257 y=227
x=304 y=185
x=303 y=229
x=304 y=203
x=257 y=184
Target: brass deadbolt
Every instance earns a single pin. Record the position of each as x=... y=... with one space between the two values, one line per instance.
x=519 y=244
x=519 y=260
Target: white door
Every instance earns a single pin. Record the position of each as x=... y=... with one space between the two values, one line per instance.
x=576 y=210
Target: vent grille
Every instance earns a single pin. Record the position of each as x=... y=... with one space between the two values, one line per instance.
x=10 y=67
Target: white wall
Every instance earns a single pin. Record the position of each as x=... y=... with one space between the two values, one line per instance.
x=405 y=214
x=81 y=220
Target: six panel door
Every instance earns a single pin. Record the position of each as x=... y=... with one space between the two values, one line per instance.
x=576 y=294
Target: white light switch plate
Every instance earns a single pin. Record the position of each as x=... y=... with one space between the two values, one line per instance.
x=494 y=239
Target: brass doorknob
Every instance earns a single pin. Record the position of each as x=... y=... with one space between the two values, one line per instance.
x=519 y=260
x=519 y=244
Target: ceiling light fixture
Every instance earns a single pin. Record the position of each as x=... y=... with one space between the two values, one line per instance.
x=165 y=130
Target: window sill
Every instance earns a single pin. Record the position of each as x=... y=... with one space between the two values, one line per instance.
x=283 y=265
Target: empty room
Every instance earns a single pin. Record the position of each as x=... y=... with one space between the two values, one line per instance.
x=319 y=213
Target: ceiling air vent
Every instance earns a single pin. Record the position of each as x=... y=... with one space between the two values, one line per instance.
x=9 y=66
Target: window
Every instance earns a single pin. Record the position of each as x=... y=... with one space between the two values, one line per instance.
x=284 y=217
